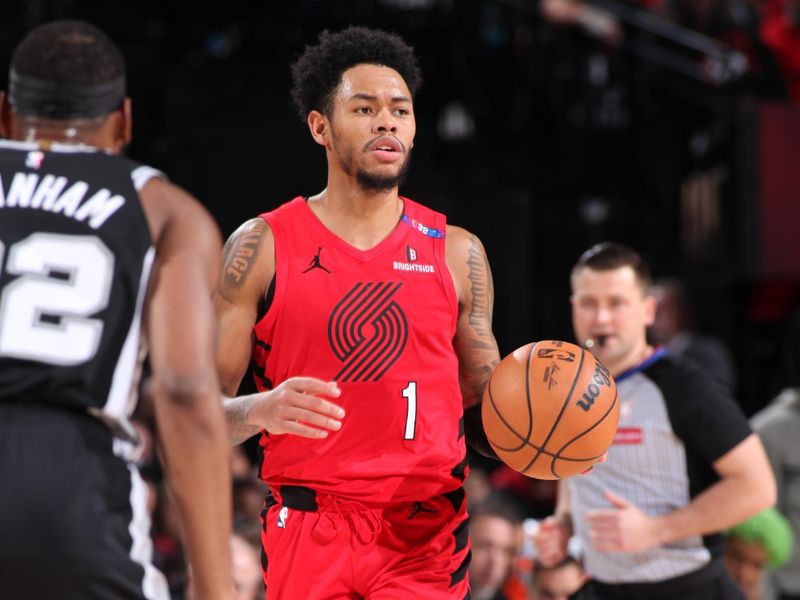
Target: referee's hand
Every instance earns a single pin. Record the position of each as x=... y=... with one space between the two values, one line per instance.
x=622 y=528
x=550 y=541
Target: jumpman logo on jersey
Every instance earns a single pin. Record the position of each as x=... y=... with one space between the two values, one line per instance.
x=315 y=262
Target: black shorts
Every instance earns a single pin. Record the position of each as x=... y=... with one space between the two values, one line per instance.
x=73 y=518
x=712 y=582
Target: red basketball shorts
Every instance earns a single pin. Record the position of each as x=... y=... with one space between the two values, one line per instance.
x=321 y=547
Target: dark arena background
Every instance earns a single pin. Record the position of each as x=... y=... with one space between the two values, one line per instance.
x=670 y=131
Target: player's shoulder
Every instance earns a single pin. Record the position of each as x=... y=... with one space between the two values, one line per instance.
x=248 y=262
x=170 y=208
x=463 y=249
x=255 y=232
x=690 y=390
x=461 y=241
x=680 y=375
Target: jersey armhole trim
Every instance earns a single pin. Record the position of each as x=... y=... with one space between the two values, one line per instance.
x=141 y=175
x=445 y=276
x=267 y=322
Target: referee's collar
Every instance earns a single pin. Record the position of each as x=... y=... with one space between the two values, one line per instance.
x=656 y=355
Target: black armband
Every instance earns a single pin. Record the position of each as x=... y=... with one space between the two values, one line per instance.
x=476 y=436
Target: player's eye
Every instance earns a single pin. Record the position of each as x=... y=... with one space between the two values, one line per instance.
x=363 y=110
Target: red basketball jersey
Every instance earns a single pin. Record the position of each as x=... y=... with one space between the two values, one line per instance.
x=381 y=323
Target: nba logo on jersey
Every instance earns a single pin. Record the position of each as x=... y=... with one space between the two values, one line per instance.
x=411 y=254
x=283 y=516
x=34 y=159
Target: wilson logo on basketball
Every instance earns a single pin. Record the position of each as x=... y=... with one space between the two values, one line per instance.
x=600 y=379
x=367 y=331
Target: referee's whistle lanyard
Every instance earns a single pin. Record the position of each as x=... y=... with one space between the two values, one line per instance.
x=657 y=354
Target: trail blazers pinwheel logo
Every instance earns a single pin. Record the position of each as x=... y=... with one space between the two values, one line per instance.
x=367 y=331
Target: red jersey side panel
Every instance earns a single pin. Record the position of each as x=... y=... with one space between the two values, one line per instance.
x=381 y=323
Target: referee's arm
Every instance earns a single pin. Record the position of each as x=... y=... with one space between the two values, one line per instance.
x=746 y=487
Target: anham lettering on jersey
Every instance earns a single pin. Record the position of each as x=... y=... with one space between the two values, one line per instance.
x=53 y=194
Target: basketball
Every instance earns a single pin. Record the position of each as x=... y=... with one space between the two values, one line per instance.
x=550 y=410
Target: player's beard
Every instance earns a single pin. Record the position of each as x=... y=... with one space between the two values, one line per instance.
x=368 y=181
x=375 y=182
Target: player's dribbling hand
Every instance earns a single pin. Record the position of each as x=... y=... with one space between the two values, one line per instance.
x=295 y=407
x=600 y=460
x=550 y=541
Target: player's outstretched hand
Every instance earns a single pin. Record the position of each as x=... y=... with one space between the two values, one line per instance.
x=550 y=541
x=295 y=407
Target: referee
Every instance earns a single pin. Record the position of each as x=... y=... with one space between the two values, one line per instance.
x=684 y=465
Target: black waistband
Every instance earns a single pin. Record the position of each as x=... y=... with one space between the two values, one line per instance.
x=667 y=588
x=304 y=498
x=299 y=497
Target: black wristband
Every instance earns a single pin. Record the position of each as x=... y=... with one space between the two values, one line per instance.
x=476 y=436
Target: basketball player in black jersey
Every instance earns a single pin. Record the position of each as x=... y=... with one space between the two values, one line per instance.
x=98 y=258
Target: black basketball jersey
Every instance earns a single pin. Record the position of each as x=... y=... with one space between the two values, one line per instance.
x=75 y=259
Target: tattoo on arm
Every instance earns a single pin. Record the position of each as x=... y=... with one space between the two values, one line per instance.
x=482 y=291
x=476 y=346
x=239 y=256
x=236 y=411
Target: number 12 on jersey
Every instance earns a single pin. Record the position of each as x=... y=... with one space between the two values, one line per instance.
x=410 y=394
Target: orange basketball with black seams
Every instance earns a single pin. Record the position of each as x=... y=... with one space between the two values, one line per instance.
x=550 y=409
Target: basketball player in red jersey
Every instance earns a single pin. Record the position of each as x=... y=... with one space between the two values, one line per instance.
x=369 y=318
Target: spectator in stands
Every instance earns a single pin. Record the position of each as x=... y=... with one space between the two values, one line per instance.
x=248 y=497
x=736 y=23
x=246 y=569
x=763 y=542
x=673 y=328
x=496 y=534
x=559 y=582
x=778 y=425
x=780 y=30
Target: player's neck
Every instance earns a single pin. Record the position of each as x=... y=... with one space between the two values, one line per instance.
x=362 y=218
x=634 y=358
x=46 y=133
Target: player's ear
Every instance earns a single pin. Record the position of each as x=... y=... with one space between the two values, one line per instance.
x=5 y=117
x=318 y=126
x=124 y=131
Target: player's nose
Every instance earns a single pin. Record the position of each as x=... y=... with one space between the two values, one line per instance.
x=385 y=122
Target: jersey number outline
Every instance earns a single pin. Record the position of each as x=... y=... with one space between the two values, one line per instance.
x=410 y=394
x=65 y=278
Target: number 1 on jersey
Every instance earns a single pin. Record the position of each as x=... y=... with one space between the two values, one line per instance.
x=410 y=394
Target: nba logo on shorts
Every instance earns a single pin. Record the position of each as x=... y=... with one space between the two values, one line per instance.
x=283 y=515
x=411 y=254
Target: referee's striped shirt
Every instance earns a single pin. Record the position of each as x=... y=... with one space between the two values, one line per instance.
x=675 y=421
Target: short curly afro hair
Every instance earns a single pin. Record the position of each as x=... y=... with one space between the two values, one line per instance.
x=71 y=52
x=318 y=71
